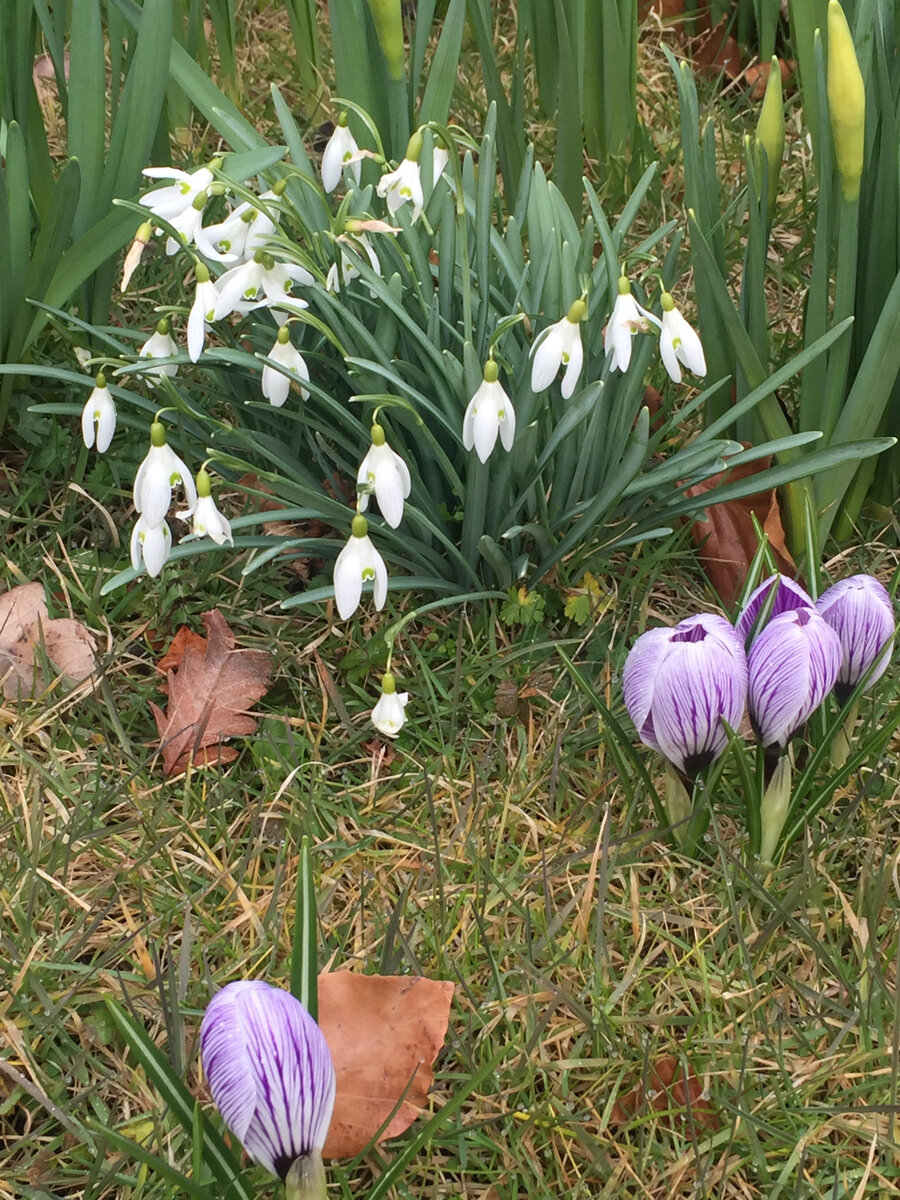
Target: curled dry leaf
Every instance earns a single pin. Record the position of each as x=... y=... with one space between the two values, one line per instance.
x=27 y=633
x=726 y=537
x=210 y=691
x=384 y=1033
x=673 y=1089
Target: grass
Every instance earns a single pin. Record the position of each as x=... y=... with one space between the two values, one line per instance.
x=506 y=842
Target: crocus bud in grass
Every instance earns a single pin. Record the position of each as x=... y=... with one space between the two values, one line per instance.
x=387 y=18
x=681 y=684
x=770 y=131
x=788 y=596
x=846 y=102
x=793 y=664
x=270 y=1073
x=860 y=612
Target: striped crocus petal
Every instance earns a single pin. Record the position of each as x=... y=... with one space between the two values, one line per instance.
x=789 y=596
x=860 y=612
x=269 y=1071
x=793 y=665
x=681 y=684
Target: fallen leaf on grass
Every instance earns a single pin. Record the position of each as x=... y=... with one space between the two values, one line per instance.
x=174 y=656
x=27 y=633
x=384 y=1033
x=672 y=1089
x=209 y=694
x=726 y=537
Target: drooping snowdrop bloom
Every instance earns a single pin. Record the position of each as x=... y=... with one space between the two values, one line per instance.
x=260 y=281
x=358 y=563
x=627 y=319
x=792 y=666
x=405 y=184
x=389 y=715
x=160 y=471
x=275 y=385
x=339 y=153
x=489 y=413
x=789 y=596
x=172 y=201
x=270 y=1073
x=160 y=344
x=150 y=546
x=383 y=472
x=245 y=230
x=339 y=277
x=206 y=520
x=679 y=343
x=98 y=420
x=559 y=346
x=203 y=311
x=187 y=225
x=681 y=684
x=860 y=612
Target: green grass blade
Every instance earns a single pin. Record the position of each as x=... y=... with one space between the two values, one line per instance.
x=304 y=955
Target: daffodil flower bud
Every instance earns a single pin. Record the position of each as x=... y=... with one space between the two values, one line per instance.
x=770 y=131
x=846 y=102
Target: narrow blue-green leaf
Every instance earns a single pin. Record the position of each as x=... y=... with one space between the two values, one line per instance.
x=304 y=950
x=442 y=73
x=86 y=123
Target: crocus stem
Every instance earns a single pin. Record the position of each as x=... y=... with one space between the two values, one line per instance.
x=774 y=809
x=840 y=746
x=678 y=804
x=306 y=1178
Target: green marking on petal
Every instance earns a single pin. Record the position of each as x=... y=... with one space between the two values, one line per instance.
x=368 y=573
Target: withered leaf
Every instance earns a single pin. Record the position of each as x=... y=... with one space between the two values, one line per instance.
x=209 y=695
x=726 y=538
x=672 y=1089
x=25 y=628
x=384 y=1033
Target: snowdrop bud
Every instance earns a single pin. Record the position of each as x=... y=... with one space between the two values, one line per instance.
x=388 y=715
x=846 y=102
x=99 y=416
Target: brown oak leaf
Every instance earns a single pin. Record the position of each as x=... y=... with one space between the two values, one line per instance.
x=27 y=633
x=384 y=1033
x=672 y=1089
x=209 y=695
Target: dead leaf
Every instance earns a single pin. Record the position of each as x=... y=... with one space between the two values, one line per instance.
x=383 y=1032
x=209 y=695
x=27 y=632
x=672 y=1089
x=726 y=538
x=174 y=656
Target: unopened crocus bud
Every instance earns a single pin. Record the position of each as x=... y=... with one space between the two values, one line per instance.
x=770 y=131
x=789 y=595
x=860 y=612
x=270 y=1073
x=846 y=102
x=387 y=18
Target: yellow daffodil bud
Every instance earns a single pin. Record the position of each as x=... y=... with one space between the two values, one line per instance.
x=388 y=22
x=770 y=131
x=846 y=102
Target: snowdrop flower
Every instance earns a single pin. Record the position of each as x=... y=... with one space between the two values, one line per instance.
x=244 y=231
x=383 y=472
x=489 y=412
x=171 y=202
x=339 y=153
x=99 y=417
x=627 y=319
x=405 y=184
x=260 y=281
x=160 y=344
x=339 y=277
x=203 y=311
x=187 y=225
x=860 y=612
x=150 y=546
x=275 y=385
x=681 y=684
x=388 y=715
x=207 y=520
x=270 y=1073
x=358 y=563
x=559 y=345
x=679 y=343
x=160 y=471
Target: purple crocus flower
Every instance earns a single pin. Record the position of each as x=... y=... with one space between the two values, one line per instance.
x=680 y=685
x=793 y=664
x=788 y=597
x=860 y=612
x=270 y=1074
